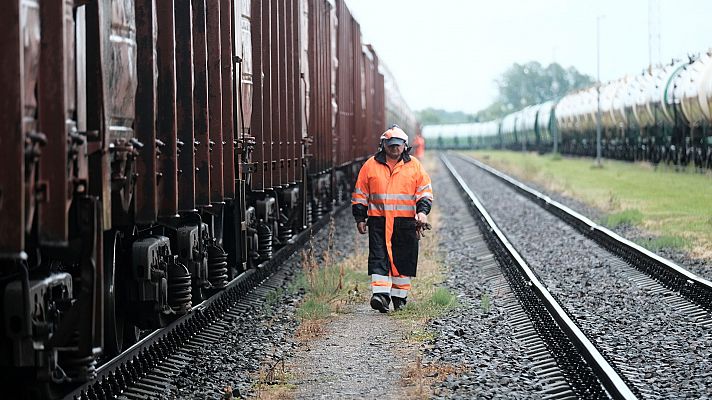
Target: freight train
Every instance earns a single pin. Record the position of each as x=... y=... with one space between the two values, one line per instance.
x=154 y=150
x=663 y=115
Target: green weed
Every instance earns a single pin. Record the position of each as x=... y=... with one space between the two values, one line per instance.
x=440 y=301
x=614 y=202
x=664 y=242
x=628 y=217
x=485 y=303
x=443 y=298
x=313 y=308
x=273 y=296
x=319 y=278
x=421 y=335
x=273 y=382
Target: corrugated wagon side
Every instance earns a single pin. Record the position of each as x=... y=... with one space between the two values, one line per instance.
x=153 y=150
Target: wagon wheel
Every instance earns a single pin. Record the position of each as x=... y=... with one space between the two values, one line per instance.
x=116 y=330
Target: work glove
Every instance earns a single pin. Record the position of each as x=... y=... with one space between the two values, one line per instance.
x=421 y=228
x=421 y=225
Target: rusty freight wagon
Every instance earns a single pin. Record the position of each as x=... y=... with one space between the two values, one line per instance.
x=152 y=151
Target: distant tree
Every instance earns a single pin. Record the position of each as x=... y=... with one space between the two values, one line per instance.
x=525 y=84
x=429 y=116
x=494 y=111
x=519 y=86
x=434 y=116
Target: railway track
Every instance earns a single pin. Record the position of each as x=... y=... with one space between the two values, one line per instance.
x=144 y=370
x=648 y=316
x=566 y=360
x=554 y=384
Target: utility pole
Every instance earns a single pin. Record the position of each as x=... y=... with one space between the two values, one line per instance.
x=598 y=91
x=654 y=42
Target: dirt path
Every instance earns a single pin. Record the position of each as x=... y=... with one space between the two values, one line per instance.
x=362 y=354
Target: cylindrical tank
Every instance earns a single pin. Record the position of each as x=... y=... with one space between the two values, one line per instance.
x=666 y=89
x=543 y=122
x=691 y=91
x=509 y=125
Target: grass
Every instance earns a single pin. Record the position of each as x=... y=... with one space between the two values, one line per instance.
x=273 y=383
x=421 y=335
x=313 y=309
x=329 y=286
x=440 y=301
x=662 y=201
x=418 y=377
x=664 y=242
x=273 y=296
x=555 y=157
x=485 y=303
x=627 y=217
x=271 y=300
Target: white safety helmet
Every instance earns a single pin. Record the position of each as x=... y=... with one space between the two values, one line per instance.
x=394 y=135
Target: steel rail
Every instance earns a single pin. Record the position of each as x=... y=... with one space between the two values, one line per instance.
x=116 y=374
x=669 y=274
x=609 y=378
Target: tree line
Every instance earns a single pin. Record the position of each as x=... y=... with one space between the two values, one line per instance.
x=519 y=86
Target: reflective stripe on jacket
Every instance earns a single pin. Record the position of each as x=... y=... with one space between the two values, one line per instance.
x=390 y=200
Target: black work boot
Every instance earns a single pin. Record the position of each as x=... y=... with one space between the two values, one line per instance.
x=380 y=302
x=399 y=302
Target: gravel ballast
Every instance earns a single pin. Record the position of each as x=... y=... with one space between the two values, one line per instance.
x=478 y=336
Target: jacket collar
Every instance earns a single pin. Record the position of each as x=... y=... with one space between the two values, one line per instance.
x=381 y=157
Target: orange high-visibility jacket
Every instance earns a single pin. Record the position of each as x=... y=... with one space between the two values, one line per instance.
x=389 y=200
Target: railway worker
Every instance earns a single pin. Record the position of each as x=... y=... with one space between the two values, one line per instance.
x=391 y=201
x=419 y=146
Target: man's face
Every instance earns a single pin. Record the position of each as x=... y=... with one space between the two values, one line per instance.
x=394 y=151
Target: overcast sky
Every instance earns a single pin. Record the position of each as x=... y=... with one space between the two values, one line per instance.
x=447 y=53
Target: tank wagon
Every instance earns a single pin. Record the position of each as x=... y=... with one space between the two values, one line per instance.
x=154 y=150
x=663 y=115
